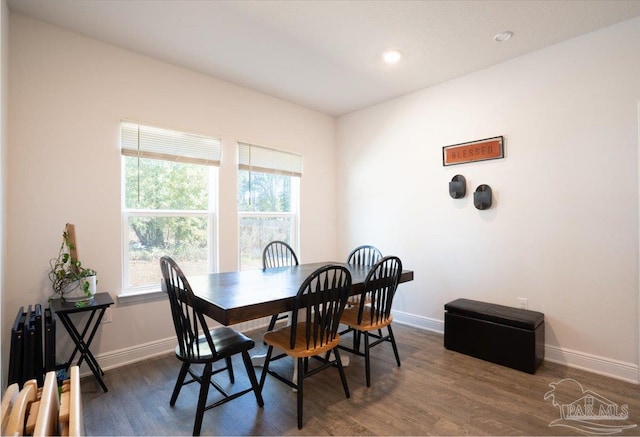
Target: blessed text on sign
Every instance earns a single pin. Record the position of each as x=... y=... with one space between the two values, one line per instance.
x=482 y=150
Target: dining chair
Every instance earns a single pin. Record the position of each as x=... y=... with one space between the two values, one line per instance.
x=206 y=348
x=278 y=254
x=374 y=310
x=313 y=331
x=365 y=255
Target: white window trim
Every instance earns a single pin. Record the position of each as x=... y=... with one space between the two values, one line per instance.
x=294 y=213
x=156 y=292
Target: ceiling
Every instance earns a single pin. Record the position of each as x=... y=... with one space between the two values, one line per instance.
x=326 y=55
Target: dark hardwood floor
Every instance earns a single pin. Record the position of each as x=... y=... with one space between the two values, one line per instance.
x=435 y=392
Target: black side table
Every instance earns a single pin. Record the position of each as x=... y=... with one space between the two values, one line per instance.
x=97 y=305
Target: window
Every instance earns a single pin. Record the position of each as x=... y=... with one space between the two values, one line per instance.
x=169 y=186
x=268 y=196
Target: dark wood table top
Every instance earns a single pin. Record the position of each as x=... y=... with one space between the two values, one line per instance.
x=235 y=297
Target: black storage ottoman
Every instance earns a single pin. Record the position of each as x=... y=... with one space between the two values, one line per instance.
x=511 y=337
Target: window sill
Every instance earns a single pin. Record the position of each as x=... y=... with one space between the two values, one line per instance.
x=141 y=297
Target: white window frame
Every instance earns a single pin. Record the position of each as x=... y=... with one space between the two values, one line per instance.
x=274 y=161
x=212 y=248
x=127 y=213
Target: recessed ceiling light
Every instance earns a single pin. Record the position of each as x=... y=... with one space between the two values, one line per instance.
x=503 y=36
x=392 y=56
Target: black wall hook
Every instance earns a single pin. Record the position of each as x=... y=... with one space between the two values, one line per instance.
x=458 y=187
x=482 y=197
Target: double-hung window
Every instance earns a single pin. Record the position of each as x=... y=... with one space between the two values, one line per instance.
x=169 y=187
x=268 y=199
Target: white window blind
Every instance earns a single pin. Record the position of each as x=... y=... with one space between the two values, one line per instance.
x=156 y=143
x=265 y=160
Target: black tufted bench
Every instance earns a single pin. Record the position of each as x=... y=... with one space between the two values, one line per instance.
x=512 y=337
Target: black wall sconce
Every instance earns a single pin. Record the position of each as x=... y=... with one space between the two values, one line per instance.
x=458 y=187
x=482 y=197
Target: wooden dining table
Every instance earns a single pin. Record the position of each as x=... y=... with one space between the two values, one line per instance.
x=235 y=297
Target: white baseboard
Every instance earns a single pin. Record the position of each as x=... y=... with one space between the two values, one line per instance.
x=420 y=322
x=122 y=357
x=592 y=363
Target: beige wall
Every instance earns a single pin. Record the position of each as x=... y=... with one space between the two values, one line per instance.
x=563 y=231
x=68 y=94
x=4 y=102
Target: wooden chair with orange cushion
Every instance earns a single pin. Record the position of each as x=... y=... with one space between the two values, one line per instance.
x=365 y=255
x=313 y=331
x=278 y=254
x=373 y=313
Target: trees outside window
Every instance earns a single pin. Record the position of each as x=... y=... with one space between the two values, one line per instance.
x=168 y=209
x=268 y=196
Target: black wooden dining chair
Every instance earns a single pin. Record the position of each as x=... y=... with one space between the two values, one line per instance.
x=365 y=255
x=314 y=329
x=206 y=348
x=278 y=254
x=374 y=310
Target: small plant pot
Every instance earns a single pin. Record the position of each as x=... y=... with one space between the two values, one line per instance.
x=75 y=291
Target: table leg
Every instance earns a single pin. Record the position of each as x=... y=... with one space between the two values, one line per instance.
x=90 y=339
x=82 y=346
x=84 y=332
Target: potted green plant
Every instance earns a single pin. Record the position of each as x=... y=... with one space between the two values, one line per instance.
x=69 y=278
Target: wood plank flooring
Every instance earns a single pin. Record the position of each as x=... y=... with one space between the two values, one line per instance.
x=435 y=392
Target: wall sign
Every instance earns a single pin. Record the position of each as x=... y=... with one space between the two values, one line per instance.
x=481 y=150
